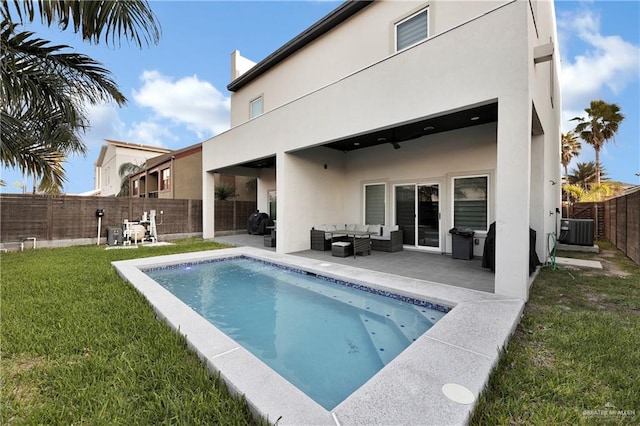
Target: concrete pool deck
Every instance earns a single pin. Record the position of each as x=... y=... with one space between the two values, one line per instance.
x=460 y=349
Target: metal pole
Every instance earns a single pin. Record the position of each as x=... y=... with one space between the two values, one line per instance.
x=99 y=223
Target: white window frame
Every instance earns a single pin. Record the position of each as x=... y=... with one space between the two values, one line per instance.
x=453 y=197
x=364 y=202
x=165 y=184
x=397 y=24
x=252 y=102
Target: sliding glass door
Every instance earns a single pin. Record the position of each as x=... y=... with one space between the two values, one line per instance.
x=417 y=213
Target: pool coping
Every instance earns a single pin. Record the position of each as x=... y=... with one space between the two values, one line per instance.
x=462 y=348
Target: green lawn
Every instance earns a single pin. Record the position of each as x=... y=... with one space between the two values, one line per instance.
x=80 y=345
x=575 y=357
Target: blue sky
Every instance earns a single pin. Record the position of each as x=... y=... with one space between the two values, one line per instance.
x=177 y=89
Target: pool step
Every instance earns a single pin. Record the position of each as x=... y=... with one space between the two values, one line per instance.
x=386 y=340
x=431 y=315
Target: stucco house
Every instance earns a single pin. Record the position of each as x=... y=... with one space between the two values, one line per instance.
x=426 y=115
x=112 y=155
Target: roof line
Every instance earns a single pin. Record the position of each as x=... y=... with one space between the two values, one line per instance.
x=137 y=146
x=324 y=25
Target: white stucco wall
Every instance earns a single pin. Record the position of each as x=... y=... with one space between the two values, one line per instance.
x=308 y=194
x=366 y=38
x=404 y=87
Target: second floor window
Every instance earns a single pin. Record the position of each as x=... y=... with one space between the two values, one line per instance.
x=136 y=187
x=256 y=107
x=165 y=175
x=412 y=30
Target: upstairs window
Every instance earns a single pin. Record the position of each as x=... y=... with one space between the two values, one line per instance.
x=136 y=187
x=165 y=177
x=412 y=30
x=256 y=107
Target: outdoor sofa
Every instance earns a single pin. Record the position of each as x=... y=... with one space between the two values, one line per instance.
x=383 y=238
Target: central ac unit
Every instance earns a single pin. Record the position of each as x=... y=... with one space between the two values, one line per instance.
x=577 y=232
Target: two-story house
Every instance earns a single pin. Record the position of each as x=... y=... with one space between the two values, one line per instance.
x=107 y=179
x=428 y=115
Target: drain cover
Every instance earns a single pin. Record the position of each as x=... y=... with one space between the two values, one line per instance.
x=458 y=393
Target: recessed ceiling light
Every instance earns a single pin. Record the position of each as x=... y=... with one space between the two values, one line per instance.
x=475 y=118
x=356 y=144
x=429 y=128
x=382 y=139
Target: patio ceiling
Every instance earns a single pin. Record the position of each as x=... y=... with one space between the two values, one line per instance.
x=263 y=163
x=429 y=126
x=404 y=132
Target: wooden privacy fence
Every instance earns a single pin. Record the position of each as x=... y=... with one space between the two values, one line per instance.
x=593 y=211
x=617 y=220
x=232 y=215
x=622 y=224
x=73 y=217
x=51 y=218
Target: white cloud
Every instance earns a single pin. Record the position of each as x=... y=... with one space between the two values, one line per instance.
x=567 y=116
x=105 y=123
x=608 y=61
x=189 y=101
x=150 y=133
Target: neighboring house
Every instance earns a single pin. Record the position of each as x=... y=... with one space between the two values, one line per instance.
x=428 y=115
x=178 y=175
x=112 y=155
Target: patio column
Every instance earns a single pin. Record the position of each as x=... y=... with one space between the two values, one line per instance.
x=539 y=183
x=283 y=210
x=513 y=175
x=208 y=205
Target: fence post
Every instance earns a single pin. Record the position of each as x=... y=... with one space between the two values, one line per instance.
x=235 y=203
x=49 y=217
x=189 y=220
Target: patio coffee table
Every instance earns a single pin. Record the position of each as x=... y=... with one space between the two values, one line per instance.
x=361 y=240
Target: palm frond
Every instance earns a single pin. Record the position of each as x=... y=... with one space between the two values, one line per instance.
x=109 y=21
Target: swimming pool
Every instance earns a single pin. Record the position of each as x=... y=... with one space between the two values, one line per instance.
x=326 y=336
x=413 y=388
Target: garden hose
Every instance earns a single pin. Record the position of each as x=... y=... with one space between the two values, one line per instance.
x=552 y=240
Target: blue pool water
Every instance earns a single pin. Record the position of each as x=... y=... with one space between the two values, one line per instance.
x=325 y=337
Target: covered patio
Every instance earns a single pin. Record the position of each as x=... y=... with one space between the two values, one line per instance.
x=439 y=268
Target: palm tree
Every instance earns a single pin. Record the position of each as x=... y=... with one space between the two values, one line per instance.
x=600 y=125
x=595 y=192
x=586 y=175
x=573 y=192
x=44 y=87
x=124 y=171
x=570 y=148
